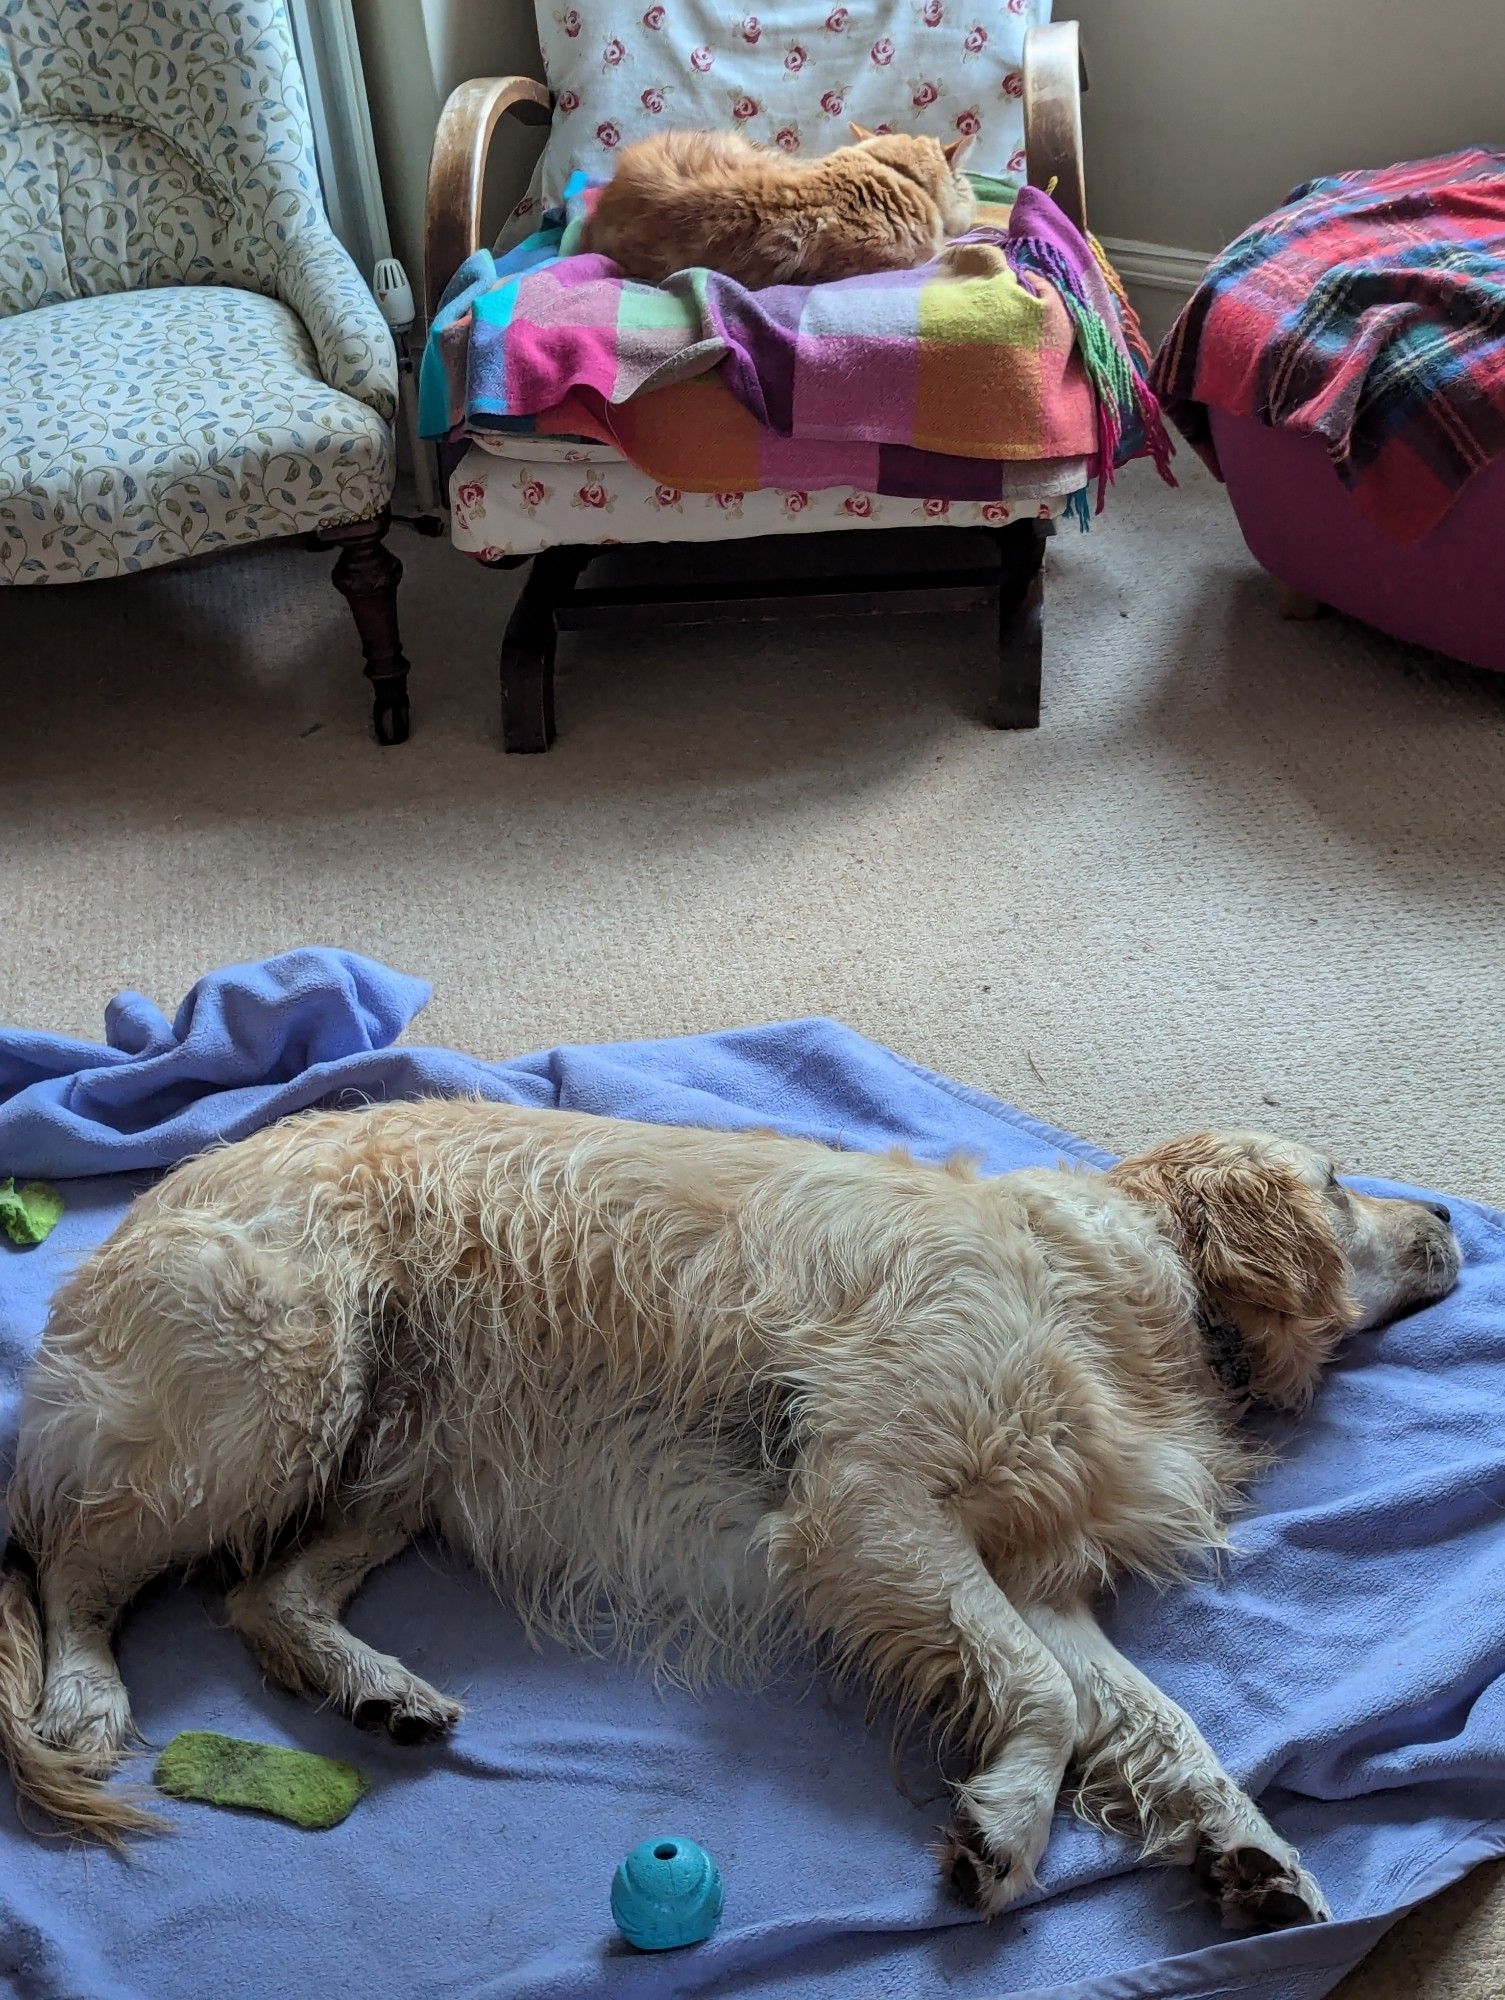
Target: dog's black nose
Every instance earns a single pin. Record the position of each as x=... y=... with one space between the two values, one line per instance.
x=1442 y=1213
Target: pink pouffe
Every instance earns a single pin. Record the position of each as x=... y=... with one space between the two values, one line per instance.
x=1301 y=524
x=1341 y=367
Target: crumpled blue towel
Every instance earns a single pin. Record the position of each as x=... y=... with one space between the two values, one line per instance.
x=1347 y=1665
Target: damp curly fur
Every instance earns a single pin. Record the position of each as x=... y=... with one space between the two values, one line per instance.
x=719 y=1399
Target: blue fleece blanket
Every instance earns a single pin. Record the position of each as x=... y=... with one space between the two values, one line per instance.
x=1347 y=1666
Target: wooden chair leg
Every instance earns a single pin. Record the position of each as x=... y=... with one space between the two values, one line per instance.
x=528 y=648
x=1021 y=630
x=1295 y=603
x=366 y=573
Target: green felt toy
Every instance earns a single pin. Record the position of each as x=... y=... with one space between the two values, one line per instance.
x=29 y=1215
x=314 y=1792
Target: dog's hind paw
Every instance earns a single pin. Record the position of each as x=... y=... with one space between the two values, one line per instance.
x=88 y=1715
x=1256 y=1890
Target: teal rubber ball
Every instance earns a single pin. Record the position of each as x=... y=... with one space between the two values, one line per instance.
x=666 y=1893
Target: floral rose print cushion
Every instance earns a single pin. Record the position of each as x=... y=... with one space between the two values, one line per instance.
x=792 y=77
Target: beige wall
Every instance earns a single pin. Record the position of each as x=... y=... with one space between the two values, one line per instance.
x=414 y=53
x=1203 y=114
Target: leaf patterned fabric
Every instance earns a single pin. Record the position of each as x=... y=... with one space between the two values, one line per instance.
x=149 y=426
x=169 y=283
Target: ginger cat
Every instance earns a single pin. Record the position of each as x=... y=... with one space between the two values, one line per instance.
x=678 y=199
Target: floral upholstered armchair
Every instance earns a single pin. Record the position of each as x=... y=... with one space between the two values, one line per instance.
x=190 y=358
x=993 y=71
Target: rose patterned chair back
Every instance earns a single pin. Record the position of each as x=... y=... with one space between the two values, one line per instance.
x=147 y=143
x=792 y=77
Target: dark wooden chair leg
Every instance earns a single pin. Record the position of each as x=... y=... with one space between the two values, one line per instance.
x=1021 y=631
x=528 y=648
x=366 y=573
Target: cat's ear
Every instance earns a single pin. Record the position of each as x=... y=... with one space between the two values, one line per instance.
x=957 y=151
x=860 y=132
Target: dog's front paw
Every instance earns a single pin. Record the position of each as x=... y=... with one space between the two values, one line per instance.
x=974 y=1877
x=410 y=1712
x=395 y=1703
x=986 y=1870
x=1002 y=1826
x=1258 y=1889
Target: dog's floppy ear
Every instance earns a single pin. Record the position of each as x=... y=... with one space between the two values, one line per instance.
x=1266 y=1238
x=1253 y=1234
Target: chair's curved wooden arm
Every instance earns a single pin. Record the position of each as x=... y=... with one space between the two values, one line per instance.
x=457 y=169
x=1054 y=78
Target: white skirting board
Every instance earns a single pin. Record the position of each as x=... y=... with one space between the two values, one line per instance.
x=1160 y=279
x=1156 y=265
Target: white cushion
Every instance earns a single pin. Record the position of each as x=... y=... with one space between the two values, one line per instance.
x=793 y=77
x=513 y=505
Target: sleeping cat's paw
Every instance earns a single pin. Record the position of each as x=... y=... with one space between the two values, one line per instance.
x=973 y=260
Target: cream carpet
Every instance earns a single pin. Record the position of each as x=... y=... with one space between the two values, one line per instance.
x=1246 y=873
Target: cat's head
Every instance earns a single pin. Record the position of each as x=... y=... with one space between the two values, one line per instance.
x=936 y=167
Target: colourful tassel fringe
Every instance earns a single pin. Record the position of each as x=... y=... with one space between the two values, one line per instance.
x=1125 y=401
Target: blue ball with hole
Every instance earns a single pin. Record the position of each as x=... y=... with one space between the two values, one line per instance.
x=666 y=1893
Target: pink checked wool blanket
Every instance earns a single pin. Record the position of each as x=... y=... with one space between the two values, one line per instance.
x=913 y=383
x=1368 y=312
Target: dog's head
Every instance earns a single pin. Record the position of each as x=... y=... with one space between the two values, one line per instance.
x=1275 y=1243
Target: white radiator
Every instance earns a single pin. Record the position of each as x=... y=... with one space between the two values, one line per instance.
x=330 y=55
x=351 y=181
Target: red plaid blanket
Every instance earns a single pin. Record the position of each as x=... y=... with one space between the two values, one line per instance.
x=1369 y=312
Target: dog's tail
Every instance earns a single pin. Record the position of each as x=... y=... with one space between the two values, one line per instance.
x=59 y=1781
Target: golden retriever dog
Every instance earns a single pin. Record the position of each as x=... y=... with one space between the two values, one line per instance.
x=708 y=1393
